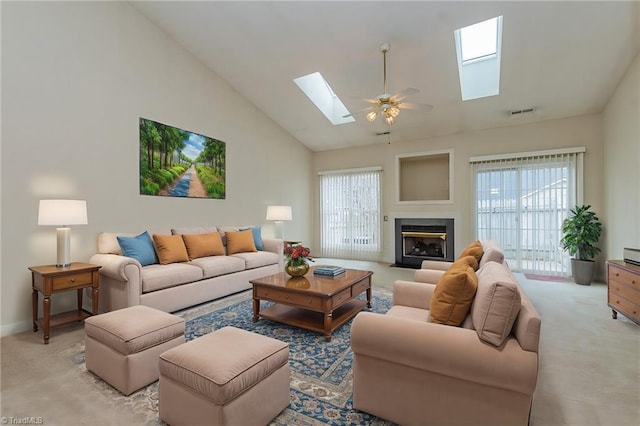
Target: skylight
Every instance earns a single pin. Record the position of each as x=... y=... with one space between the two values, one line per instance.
x=479 y=50
x=318 y=90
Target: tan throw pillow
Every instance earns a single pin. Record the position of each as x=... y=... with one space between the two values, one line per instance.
x=203 y=245
x=240 y=242
x=170 y=249
x=469 y=261
x=474 y=249
x=453 y=295
x=497 y=303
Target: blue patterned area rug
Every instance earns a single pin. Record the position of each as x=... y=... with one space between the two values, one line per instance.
x=321 y=377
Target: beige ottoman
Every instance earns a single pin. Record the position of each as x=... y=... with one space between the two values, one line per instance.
x=228 y=377
x=123 y=346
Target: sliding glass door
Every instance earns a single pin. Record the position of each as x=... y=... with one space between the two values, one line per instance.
x=521 y=203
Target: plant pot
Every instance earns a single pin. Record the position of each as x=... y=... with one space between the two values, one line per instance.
x=297 y=270
x=582 y=271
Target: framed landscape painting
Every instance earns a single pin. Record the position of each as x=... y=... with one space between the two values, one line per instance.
x=179 y=163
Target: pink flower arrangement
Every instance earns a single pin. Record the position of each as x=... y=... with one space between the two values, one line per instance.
x=297 y=254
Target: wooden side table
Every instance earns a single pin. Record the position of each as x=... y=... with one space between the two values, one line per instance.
x=49 y=279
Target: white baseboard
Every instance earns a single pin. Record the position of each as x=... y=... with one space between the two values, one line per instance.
x=15 y=328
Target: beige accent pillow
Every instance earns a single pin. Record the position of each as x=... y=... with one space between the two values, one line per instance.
x=170 y=249
x=453 y=295
x=474 y=249
x=497 y=303
x=492 y=254
x=203 y=245
x=240 y=241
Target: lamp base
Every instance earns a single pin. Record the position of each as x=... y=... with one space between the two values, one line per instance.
x=64 y=247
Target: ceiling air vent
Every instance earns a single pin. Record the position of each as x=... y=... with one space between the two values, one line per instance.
x=518 y=112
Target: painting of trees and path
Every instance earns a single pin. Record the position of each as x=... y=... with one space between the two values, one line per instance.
x=178 y=163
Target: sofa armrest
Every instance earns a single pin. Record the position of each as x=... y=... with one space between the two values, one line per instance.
x=275 y=245
x=412 y=294
x=445 y=350
x=431 y=276
x=114 y=266
x=438 y=265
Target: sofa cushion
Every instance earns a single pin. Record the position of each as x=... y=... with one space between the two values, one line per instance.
x=202 y=245
x=240 y=242
x=453 y=295
x=474 y=249
x=214 y=266
x=257 y=259
x=496 y=304
x=257 y=236
x=139 y=247
x=194 y=230
x=170 y=249
x=157 y=277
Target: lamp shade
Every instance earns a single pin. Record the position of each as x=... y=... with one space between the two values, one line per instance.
x=62 y=212
x=279 y=213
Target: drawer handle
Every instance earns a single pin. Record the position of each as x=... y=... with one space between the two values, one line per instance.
x=617 y=302
x=617 y=274
x=309 y=301
x=73 y=280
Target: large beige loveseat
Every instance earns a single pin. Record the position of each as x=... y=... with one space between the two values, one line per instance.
x=413 y=371
x=170 y=287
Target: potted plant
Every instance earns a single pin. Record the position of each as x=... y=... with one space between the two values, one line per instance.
x=580 y=232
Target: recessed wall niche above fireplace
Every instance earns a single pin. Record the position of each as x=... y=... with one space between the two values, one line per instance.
x=419 y=239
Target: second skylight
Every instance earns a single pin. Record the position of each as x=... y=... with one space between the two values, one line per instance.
x=318 y=90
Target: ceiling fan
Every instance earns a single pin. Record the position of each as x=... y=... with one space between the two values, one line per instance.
x=386 y=105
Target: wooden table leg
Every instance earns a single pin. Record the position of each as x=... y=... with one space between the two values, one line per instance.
x=34 y=303
x=369 y=297
x=79 y=297
x=614 y=314
x=96 y=296
x=46 y=307
x=328 y=320
x=256 y=309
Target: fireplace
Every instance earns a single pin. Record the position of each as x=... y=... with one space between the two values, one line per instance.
x=423 y=239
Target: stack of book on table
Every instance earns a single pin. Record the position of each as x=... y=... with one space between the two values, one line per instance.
x=328 y=270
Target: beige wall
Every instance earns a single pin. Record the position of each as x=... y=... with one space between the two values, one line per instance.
x=76 y=77
x=571 y=132
x=622 y=165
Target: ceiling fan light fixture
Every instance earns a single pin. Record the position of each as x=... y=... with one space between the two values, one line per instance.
x=389 y=119
x=371 y=116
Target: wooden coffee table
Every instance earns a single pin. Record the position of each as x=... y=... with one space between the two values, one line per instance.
x=313 y=302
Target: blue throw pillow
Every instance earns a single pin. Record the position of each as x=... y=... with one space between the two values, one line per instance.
x=139 y=247
x=257 y=237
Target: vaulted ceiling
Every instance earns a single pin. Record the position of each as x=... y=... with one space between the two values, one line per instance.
x=563 y=58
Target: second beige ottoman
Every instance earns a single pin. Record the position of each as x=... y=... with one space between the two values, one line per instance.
x=227 y=377
x=123 y=346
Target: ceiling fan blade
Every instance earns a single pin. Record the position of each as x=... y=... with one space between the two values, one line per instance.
x=404 y=93
x=412 y=105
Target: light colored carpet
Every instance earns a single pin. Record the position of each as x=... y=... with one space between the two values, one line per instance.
x=589 y=364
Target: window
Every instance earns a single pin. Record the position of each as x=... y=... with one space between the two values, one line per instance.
x=350 y=214
x=479 y=52
x=323 y=97
x=521 y=202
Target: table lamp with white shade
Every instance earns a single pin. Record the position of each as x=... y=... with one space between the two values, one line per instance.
x=279 y=214
x=62 y=213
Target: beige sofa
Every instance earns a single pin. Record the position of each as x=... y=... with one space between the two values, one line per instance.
x=170 y=287
x=413 y=372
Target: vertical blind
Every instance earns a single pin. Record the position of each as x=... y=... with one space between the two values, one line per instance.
x=350 y=214
x=521 y=202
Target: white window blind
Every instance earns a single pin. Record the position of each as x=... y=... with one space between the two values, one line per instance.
x=350 y=214
x=521 y=202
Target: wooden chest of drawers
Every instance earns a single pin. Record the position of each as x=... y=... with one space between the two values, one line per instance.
x=623 y=283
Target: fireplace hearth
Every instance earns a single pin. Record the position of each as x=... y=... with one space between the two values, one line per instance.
x=419 y=239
